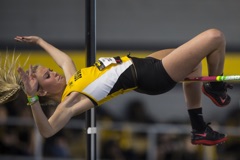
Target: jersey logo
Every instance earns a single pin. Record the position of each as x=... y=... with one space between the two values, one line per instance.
x=78 y=75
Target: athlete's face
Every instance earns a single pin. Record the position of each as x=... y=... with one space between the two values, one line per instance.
x=50 y=83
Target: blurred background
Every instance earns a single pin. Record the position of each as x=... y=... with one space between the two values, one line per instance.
x=131 y=126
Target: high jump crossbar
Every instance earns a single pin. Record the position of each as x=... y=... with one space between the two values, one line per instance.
x=231 y=78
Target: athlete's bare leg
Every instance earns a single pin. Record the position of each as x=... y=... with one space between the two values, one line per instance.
x=183 y=60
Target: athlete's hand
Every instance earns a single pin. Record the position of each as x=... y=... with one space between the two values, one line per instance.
x=29 y=81
x=28 y=39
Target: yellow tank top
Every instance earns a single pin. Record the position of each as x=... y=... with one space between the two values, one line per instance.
x=97 y=83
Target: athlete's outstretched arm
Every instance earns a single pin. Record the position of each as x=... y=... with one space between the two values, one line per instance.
x=61 y=58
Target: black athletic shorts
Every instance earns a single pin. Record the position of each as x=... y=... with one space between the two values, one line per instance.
x=151 y=76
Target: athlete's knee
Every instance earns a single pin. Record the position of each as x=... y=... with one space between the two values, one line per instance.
x=216 y=36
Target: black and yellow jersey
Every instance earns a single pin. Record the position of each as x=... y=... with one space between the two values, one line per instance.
x=101 y=84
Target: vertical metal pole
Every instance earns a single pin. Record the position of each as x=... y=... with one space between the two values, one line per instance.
x=91 y=57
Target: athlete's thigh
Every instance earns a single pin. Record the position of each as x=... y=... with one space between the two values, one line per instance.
x=184 y=59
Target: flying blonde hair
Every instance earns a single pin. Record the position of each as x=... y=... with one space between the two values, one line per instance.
x=10 y=81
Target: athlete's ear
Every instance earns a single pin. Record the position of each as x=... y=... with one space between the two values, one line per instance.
x=41 y=92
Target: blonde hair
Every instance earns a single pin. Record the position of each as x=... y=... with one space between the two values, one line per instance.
x=10 y=81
